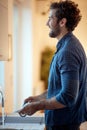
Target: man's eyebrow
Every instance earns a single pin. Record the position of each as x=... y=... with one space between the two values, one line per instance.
x=50 y=16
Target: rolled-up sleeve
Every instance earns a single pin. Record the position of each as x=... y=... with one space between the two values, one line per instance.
x=69 y=75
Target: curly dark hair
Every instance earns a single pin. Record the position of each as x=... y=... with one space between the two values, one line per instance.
x=69 y=10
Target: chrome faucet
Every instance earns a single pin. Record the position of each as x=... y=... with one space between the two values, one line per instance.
x=2 y=104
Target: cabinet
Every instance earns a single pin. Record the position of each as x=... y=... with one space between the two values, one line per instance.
x=4 y=37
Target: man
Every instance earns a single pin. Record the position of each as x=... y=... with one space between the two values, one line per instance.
x=65 y=100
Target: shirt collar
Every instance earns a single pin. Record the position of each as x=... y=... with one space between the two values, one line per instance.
x=61 y=42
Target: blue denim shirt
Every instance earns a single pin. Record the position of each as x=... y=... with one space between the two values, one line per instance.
x=68 y=82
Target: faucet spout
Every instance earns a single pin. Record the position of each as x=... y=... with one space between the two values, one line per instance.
x=2 y=103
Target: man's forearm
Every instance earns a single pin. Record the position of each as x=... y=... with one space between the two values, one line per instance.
x=49 y=104
x=43 y=95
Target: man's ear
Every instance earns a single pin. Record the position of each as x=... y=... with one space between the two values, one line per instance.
x=62 y=22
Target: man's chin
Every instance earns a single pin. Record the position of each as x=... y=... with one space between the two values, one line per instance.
x=52 y=35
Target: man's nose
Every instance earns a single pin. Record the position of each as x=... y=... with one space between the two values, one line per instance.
x=47 y=23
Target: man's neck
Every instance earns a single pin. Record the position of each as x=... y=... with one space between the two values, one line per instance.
x=62 y=34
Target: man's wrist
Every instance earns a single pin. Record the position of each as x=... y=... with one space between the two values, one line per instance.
x=40 y=105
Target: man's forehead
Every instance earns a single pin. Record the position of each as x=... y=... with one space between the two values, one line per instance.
x=52 y=12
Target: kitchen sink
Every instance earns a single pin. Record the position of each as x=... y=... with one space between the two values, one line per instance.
x=22 y=123
x=27 y=119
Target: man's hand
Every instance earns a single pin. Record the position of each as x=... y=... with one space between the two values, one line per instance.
x=32 y=99
x=29 y=109
x=36 y=98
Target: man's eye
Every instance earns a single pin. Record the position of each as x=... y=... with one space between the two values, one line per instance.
x=50 y=18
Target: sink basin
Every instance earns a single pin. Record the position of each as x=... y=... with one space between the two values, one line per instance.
x=24 y=120
x=22 y=123
x=27 y=119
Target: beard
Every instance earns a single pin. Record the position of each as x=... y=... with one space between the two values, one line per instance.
x=55 y=32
